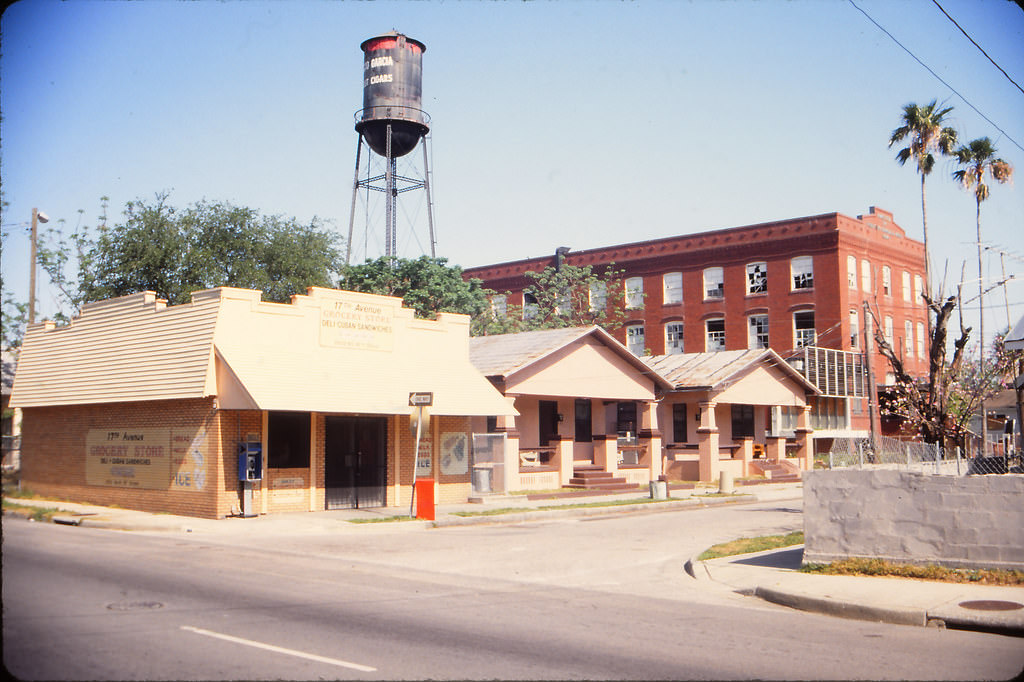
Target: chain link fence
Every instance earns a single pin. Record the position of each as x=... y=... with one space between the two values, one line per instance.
x=890 y=453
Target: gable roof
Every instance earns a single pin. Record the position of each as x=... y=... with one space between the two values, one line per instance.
x=503 y=355
x=709 y=371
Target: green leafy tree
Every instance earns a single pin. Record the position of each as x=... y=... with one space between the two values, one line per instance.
x=566 y=296
x=13 y=318
x=978 y=160
x=427 y=285
x=924 y=130
x=173 y=252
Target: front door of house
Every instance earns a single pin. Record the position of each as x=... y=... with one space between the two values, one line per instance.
x=547 y=418
x=355 y=462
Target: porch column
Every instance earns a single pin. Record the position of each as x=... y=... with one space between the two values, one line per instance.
x=746 y=453
x=606 y=452
x=650 y=435
x=707 y=441
x=507 y=424
x=804 y=441
x=775 y=448
x=563 y=459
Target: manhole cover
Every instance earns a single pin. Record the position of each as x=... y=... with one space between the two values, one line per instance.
x=991 y=605
x=134 y=605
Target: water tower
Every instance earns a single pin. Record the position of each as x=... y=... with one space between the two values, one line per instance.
x=391 y=124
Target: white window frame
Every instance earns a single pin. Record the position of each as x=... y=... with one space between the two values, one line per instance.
x=865 y=276
x=801 y=272
x=598 y=297
x=635 y=339
x=854 y=329
x=906 y=286
x=719 y=336
x=714 y=283
x=757 y=331
x=672 y=288
x=851 y=272
x=887 y=330
x=634 y=287
x=918 y=289
x=530 y=309
x=801 y=337
x=499 y=306
x=886 y=280
x=757 y=278
x=908 y=340
x=920 y=340
x=673 y=338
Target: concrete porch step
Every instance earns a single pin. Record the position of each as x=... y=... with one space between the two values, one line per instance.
x=615 y=485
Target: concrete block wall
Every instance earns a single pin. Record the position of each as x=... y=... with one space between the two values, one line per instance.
x=909 y=517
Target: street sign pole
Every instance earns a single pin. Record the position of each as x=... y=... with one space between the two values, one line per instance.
x=419 y=401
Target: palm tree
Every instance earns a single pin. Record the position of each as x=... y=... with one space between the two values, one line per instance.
x=978 y=159
x=922 y=127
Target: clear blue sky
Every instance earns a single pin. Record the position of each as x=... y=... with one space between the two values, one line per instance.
x=554 y=123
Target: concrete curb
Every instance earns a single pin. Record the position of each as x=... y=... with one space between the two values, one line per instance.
x=842 y=609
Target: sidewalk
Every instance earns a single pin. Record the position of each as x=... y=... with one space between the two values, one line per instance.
x=774 y=576
x=113 y=518
x=771 y=575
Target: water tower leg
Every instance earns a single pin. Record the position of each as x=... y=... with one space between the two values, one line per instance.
x=430 y=209
x=389 y=202
x=352 y=211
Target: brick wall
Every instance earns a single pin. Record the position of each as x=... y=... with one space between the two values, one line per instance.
x=960 y=521
x=54 y=455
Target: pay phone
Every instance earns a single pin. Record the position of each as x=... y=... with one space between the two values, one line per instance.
x=250 y=461
x=250 y=470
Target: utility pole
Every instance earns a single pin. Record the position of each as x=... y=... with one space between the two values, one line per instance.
x=868 y=363
x=37 y=217
x=981 y=336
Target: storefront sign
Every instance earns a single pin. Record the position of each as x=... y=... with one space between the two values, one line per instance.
x=425 y=462
x=152 y=459
x=364 y=326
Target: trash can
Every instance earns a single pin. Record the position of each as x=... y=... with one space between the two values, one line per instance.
x=425 y=507
x=659 y=490
x=481 y=479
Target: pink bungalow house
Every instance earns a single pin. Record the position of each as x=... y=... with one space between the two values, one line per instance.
x=744 y=412
x=586 y=409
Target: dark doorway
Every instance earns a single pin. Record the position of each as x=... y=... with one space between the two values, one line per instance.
x=547 y=419
x=355 y=462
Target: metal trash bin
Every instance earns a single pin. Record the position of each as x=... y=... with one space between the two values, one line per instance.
x=659 y=490
x=482 y=479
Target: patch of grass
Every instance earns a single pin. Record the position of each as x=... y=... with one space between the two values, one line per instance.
x=880 y=567
x=14 y=491
x=42 y=514
x=749 y=545
x=383 y=519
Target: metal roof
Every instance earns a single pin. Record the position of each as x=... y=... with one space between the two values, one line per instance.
x=697 y=371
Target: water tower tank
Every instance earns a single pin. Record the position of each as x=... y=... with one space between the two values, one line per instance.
x=392 y=94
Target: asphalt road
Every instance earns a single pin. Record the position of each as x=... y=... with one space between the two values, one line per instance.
x=598 y=598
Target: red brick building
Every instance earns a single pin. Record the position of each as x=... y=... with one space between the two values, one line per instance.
x=785 y=285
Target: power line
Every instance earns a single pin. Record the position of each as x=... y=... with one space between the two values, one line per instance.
x=937 y=76
x=977 y=45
